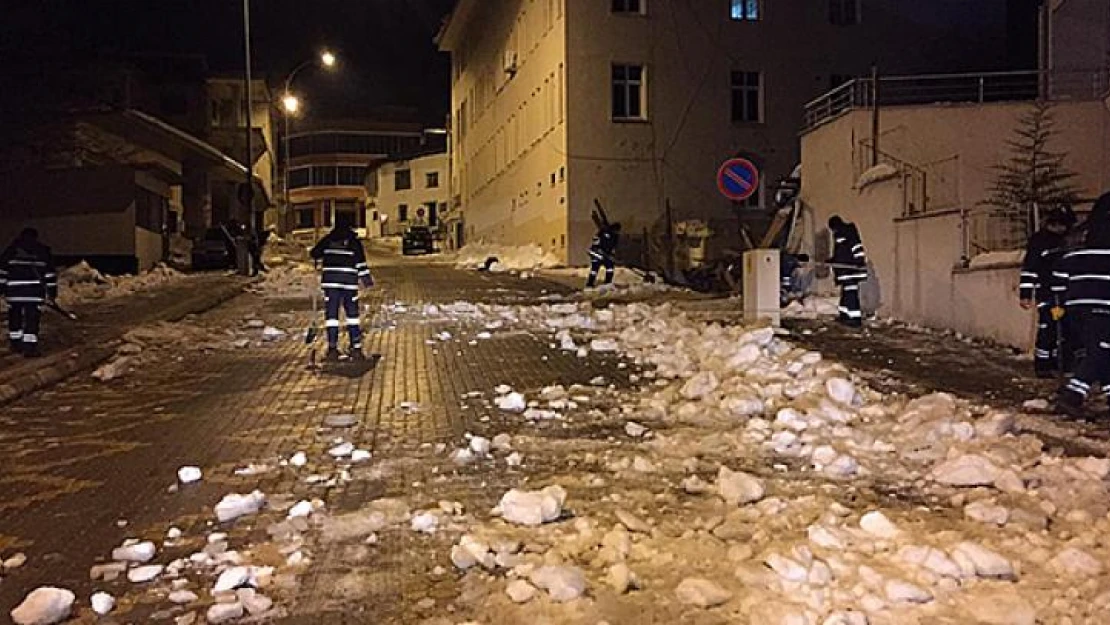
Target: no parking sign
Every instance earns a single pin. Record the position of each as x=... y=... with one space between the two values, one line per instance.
x=738 y=179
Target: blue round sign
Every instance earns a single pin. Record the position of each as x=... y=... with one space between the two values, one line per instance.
x=738 y=179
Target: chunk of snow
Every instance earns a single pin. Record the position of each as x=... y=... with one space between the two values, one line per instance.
x=899 y=591
x=513 y=402
x=181 y=597
x=635 y=430
x=254 y=602
x=701 y=593
x=224 y=612
x=503 y=442
x=533 y=507
x=270 y=333
x=360 y=455
x=425 y=523
x=146 y=573
x=966 y=470
x=298 y=459
x=514 y=459
x=102 y=603
x=983 y=561
x=562 y=583
x=14 y=562
x=44 y=606
x=234 y=505
x=876 y=524
x=520 y=591
x=138 y=552
x=341 y=450
x=739 y=488
x=302 y=508
x=604 y=345
x=701 y=385
x=188 y=475
x=841 y=391
x=480 y=445
x=1076 y=563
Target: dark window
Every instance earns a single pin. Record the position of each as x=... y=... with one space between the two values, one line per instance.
x=628 y=6
x=628 y=92
x=300 y=177
x=431 y=180
x=844 y=12
x=432 y=214
x=352 y=176
x=745 y=10
x=402 y=180
x=324 y=176
x=305 y=213
x=150 y=210
x=746 y=95
x=402 y=213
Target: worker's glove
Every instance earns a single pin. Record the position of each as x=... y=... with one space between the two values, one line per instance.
x=366 y=281
x=1057 y=312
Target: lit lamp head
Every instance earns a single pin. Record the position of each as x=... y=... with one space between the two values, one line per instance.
x=327 y=59
x=291 y=103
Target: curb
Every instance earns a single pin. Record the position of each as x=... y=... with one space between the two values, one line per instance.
x=24 y=380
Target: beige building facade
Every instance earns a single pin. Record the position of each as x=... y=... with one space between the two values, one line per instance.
x=636 y=103
x=407 y=192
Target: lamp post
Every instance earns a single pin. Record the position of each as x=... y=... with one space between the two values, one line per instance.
x=291 y=104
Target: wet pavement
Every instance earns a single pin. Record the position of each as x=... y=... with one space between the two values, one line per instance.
x=85 y=465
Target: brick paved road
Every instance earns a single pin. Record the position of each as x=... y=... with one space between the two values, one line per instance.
x=79 y=460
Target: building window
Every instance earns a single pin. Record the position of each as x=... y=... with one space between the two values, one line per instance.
x=431 y=180
x=745 y=10
x=306 y=215
x=402 y=213
x=352 y=176
x=402 y=180
x=844 y=12
x=628 y=92
x=324 y=176
x=746 y=96
x=629 y=6
x=300 y=177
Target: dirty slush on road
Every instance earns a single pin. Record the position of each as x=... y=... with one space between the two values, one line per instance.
x=693 y=472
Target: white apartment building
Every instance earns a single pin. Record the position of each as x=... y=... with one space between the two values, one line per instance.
x=405 y=191
x=636 y=103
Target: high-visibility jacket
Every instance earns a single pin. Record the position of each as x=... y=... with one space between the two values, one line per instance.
x=344 y=261
x=1041 y=254
x=27 y=274
x=1083 y=276
x=848 y=254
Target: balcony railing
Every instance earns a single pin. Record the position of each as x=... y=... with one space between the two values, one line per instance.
x=958 y=88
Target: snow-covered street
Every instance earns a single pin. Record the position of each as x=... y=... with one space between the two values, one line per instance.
x=524 y=454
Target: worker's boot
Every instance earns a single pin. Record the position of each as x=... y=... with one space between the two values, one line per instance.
x=357 y=354
x=31 y=350
x=1070 y=403
x=332 y=355
x=16 y=345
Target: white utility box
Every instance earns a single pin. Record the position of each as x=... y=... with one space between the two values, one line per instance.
x=762 y=283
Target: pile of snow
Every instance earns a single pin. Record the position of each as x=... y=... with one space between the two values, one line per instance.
x=878 y=173
x=289 y=280
x=1009 y=258
x=509 y=258
x=82 y=283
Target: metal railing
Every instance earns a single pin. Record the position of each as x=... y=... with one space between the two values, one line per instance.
x=914 y=179
x=957 y=88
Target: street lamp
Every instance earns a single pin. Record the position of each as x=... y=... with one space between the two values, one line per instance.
x=292 y=104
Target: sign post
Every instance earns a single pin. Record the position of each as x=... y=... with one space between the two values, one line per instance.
x=738 y=179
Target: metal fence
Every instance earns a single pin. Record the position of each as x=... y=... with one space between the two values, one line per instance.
x=995 y=230
x=914 y=180
x=957 y=88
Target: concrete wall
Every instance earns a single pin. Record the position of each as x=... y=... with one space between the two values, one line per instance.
x=509 y=138
x=916 y=260
x=148 y=248
x=385 y=199
x=1080 y=38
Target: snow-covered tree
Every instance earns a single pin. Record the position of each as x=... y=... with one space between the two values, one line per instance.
x=1034 y=174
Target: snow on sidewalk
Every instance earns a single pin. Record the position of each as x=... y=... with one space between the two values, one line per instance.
x=81 y=283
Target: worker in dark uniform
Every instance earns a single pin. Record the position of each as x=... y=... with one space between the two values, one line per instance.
x=849 y=261
x=603 y=247
x=1044 y=249
x=1083 y=277
x=344 y=269
x=27 y=280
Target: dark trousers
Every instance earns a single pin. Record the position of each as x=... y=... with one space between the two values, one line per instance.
x=850 y=309
x=23 y=323
x=1051 y=337
x=334 y=299
x=1094 y=369
x=597 y=261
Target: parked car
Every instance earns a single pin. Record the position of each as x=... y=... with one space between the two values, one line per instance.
x=417 y=239
x=212 y=251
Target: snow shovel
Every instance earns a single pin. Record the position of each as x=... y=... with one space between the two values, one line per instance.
x=52 y=305
x=313 y=331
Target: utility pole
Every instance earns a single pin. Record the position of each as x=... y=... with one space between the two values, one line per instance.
x=874 y=115
x=248 y=194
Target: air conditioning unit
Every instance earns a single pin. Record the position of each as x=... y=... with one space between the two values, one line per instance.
x=510 y=62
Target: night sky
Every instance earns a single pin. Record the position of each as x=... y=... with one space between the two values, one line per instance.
x=385 y=46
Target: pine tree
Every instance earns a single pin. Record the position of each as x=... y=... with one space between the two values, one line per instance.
x=1034 y=174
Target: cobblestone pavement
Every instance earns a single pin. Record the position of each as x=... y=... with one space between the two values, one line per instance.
x=85 y=465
